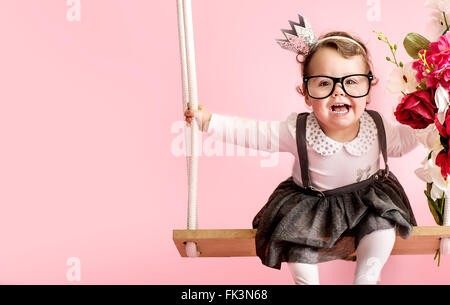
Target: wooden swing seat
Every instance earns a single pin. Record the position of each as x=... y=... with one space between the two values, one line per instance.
x=241 y=242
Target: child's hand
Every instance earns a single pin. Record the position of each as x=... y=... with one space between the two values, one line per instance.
x=202 y=115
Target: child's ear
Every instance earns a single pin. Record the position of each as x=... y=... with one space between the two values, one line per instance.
x=308 y=102
x=375 y=80
x=300 y=91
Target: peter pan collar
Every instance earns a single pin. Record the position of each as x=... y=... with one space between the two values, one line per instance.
x=326 y=146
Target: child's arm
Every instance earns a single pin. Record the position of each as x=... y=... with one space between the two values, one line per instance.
x=401 y=139
x=270 y=136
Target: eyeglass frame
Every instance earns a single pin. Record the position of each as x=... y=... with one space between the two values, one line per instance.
x=338 y=80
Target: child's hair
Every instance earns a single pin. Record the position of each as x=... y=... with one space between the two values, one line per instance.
x=344 y=47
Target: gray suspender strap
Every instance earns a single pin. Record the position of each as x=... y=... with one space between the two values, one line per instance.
x=381 y=137
x=301 y=148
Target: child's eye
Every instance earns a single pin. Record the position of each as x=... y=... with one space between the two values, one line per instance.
x=351 y=81
x=324 y=83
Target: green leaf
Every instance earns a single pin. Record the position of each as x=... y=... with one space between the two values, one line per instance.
x=442 y=206
x=388 y=58
x=422 y=85
x=414 y=43
x=434 y=209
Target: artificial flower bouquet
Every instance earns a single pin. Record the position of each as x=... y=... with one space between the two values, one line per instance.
x=424 y=85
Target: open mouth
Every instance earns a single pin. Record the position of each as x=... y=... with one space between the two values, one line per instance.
x=340 y=108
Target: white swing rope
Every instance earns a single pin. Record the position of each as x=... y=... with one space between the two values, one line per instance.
x=189 y=81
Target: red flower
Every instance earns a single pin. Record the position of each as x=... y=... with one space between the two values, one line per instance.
x=417 y=109
x=444 y=130
x=443 y=161
x=438 y=64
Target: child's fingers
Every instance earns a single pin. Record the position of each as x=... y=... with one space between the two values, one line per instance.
x=199 y=106
x=188 y=119
x=191 y=114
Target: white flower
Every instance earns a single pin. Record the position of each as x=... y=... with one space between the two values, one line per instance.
x=436 y=25
x=441 y=99
x=440 y=5
x=402 y=80
x=429 y=137
x=439 y=189
x=431 y=173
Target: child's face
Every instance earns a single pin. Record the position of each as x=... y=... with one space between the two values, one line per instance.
x=328 y=62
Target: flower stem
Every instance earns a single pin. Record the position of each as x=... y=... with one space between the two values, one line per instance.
x=393 y=48
x=438 y=255
x=446 y=24
x=423 y=58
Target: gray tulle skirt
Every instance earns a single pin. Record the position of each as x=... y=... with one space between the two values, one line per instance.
x=301 y=225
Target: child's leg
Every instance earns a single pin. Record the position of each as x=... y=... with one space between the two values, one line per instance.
x=304 y=274
x=373 y=251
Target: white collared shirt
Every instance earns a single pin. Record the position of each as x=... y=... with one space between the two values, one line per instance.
x=332 y=164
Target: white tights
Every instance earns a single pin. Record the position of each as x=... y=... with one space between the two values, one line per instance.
x=373 y=251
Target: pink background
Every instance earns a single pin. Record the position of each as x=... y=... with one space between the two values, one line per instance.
x=87 y=168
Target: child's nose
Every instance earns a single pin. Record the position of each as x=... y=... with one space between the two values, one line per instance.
x=338 y=90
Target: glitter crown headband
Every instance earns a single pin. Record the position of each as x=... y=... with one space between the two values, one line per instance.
x=301 y=39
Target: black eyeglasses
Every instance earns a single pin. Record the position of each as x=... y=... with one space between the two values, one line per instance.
x=355 y=85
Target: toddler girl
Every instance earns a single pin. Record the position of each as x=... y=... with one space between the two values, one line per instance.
x=337 y=200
